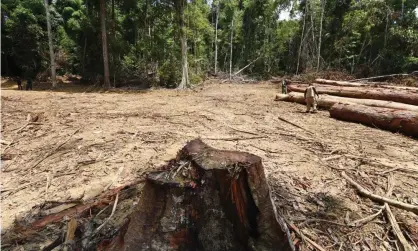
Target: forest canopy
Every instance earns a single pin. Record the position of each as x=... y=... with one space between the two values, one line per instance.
x=177 y=42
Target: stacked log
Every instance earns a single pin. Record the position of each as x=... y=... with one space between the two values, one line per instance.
x=356 y=84
x=401 y=96
x=392 y=108
x=393 y=120
x=327 y=101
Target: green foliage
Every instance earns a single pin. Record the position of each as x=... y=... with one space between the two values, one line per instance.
x=144 y=42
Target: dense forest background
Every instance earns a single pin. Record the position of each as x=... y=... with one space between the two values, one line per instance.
x=177 y=42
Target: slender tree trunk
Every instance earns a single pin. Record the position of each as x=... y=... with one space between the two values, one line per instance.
x=51 y=45
x=301 y=39
x=104 y=44
x=320 y=34
x=84 y=56
x=216 y=38
x=183 y=40
x=231 y=46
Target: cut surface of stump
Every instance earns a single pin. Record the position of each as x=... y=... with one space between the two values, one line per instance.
x=206 y=199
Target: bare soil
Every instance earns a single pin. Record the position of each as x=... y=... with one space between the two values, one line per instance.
x=83 y=143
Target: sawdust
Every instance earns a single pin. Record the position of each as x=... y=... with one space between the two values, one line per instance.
x=123 y=135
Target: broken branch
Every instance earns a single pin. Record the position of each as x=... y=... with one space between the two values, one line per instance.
x=379 y=198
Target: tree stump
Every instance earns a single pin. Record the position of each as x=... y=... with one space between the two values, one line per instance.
x=205 y=199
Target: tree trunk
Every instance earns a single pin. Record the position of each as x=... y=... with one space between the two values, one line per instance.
x=104 y=44
x=370 y=84
x=401 y=96
x=322 y=2
x=301 y=39
x=216 y=38
x=206 y=199
x=51 y=45
x=231 y=47
x=393 y=120
x=183 y=44
x=326 y=102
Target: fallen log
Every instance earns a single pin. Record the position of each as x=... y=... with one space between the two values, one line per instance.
x=393 y=120
x=338 y=83
x=356 y=84
x=383 y=77
x=207 y=200
x=401 y=96
x=327 y=101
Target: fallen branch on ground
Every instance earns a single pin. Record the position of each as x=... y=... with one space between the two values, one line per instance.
x=237 y=139
x=363 y=221
x=24 y=126
x=395 y=226
x=53 y=151
x=294 y=124
x=311 y=242
x=111 y=214
x=377 y=163
x=78 y=210
x=382 y=199
x=397 y=230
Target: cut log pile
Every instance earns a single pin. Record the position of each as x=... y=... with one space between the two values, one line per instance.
x=392 y=108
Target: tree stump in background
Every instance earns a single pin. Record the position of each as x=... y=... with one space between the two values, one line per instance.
x=206 y=199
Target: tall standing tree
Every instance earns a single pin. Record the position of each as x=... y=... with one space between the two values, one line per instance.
x=216 y=37
x=51 y=45
x=104 y=44
x=179 y=6
x=322 y=4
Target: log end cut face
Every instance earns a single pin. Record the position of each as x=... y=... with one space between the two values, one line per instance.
x=206 y=199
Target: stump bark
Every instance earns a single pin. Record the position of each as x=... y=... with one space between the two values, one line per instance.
x=206 y=199
x=405 y=122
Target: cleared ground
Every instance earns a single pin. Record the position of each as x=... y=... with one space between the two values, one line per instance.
x=114 y=138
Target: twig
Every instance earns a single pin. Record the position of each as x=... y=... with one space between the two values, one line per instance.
x=28 y=123
x=379 y=198
x=72 y=226
x=311 y=242
x=395 y=226
x=243 y=131
x=15 y=190
x=293 y=124
x=332 y=157
x=48 y=181
x=377 y=163
x=179 y=168
x=325 y=221
x=115 y=180
x=53 y=151
x=397 y=230
x=236 y=139
x=113 y=211
x=363 y=221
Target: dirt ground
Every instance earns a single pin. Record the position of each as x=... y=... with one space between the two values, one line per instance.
x=83 y=143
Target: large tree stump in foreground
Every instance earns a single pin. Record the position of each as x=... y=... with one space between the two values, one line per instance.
x=206 y=199
x=394 y=120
